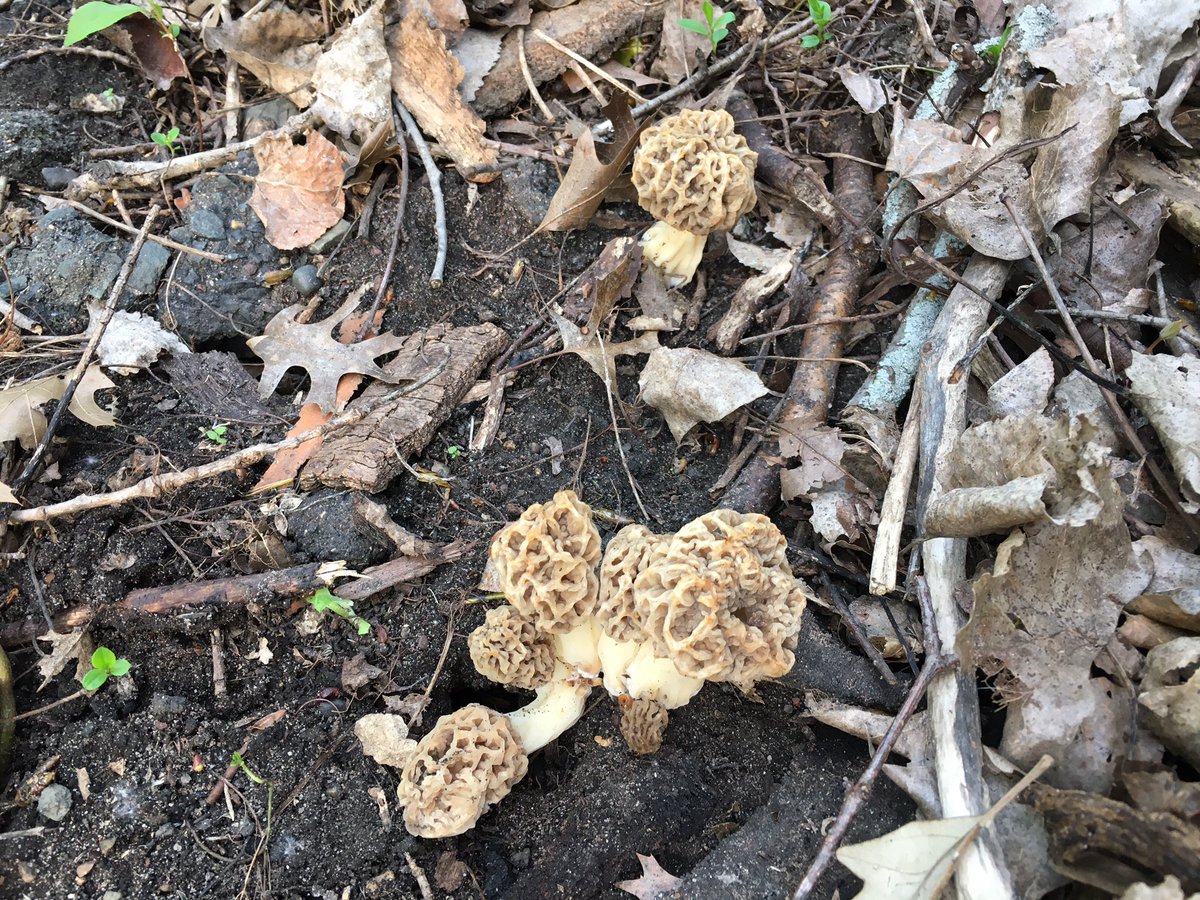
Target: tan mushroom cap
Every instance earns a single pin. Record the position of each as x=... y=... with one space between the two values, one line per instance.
x=469 y=761
x=628 y=553
x=722 y=601
x=643 y=723
x=547 y=563
x=694 y=172
x=507 y=649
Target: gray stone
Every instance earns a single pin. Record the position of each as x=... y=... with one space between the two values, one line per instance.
x=326 y=241
x=55 y=802
x=69 y=264
x=112 y=895
x=207 y=224
x=28 y=139
x=56 y=178
x=165 y=706
x=531 y=183
x=148 y=269
x=306 y=281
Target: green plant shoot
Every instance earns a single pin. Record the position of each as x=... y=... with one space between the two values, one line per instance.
x=822 y=16
x=454 y=451
x=325 y=601
x=992 y=51
x=104 y=664
x=714 y=27
x=216 y=434
x=628 y=52
x=166 y=140
x=94 y=17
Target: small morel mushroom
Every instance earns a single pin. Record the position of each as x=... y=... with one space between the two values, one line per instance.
x=694 y=174
x=468 y=762
x=508 y=649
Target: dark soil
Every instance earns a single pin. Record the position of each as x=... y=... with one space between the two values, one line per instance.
x=151 y=747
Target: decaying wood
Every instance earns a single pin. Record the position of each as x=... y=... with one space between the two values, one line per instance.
x=425 y=78
x=808 y=395
x=592 y=28
x=264 y=587
x=1111 y=845
x=792 y=179
x=371 y=453
x=953 y=698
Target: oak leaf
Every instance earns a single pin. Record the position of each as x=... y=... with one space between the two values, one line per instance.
x=298 y=191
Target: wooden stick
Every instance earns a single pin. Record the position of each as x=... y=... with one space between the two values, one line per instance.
x=121 y=226
x=895 y=502
x=435 y=185
x=587 y=64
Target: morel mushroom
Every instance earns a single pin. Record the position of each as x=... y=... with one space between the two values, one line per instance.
x=716 y=602
x=694 y=174
x=468 y=762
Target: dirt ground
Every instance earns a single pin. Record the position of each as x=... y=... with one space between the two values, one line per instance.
x=140 y=758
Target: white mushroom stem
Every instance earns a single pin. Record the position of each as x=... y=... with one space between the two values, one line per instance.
x=577 y=649
x=556 y=708
x=651 y=677
x=676 y=252
x=615 y=657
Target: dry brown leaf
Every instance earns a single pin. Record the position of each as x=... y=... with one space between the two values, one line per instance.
x=477 y=52
x=450 y=872
x=1170 y=693
x=425 y=78
x=72 y=647
x=654 y=883
x=867 y=92
x=592 y=170
x=358 y=673
x=818 y=451
x=680 y=52
x=447 y=16
x=690 y=386
x=298 y=190
x=7 y=495
x=1167 y=390
x=157 y=53
x=279 y=45
x=352 y=79
x=284 y=343
x=600 y=355
x=22 y=420
x=1025 y=390
x=1172 y=594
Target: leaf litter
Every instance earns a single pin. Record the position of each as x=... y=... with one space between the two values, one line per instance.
x=1080 y=591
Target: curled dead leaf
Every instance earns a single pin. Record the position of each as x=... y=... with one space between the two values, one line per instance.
x=298 y=190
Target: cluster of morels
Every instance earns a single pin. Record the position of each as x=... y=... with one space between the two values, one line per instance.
x=716 y=601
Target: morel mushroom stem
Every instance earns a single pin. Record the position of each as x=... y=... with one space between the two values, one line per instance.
x=557 y=707
x=577 y=648
x=676 y=252
x=615 y=657
x=651 y=677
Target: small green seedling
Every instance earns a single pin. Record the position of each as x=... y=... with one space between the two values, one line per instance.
x=993 y=50
x=822 y=16
x=166 y=140
x=239 y=763
x=216 y=434
x=629 y=51
x=94 y=17
x=714 y=27
x=325 y=601
x=104 y=665
x=454 y=451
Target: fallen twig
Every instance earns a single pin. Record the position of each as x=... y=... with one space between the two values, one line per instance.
x=810 y=391
x=435 y=186
x=935 y=662
x=99 y=325
x=157 y=485
x=608 y=390
x=129 y=229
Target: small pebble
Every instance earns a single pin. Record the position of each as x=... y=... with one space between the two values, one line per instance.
x=58 y=177
x=55 y=802
x=207 y=224
x=112 y=895
x=306 y=281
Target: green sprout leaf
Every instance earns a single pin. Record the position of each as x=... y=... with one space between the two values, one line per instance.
x=707 y=8
x=1171 y=331
x=95 y=17
x=810 y=40
x=103 y=658
x=104 y=664
x=725 y=19
x=694 y=26
x=993 y=50
x=326 y=601
x=627 y=53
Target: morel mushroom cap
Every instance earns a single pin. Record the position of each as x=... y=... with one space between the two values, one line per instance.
x=469 y=761
x=547 y=563
x=629 y=551
x=694 y=174
x=507 y=649
x=722 y=602
x=643 y=723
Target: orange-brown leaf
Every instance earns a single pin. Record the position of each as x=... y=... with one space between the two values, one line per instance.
x=298 y=191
